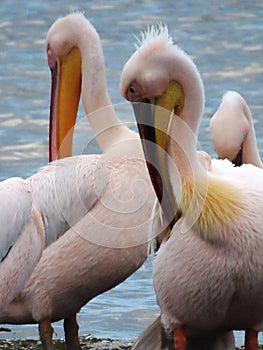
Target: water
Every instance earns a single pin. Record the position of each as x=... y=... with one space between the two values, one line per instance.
x=226 y=43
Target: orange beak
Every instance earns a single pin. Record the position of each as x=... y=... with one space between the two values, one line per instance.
x=65 y=95
x=153 y=118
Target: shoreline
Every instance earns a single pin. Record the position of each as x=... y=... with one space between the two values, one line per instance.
x=86 y=342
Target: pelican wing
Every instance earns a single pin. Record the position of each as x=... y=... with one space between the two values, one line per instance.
x=65 y=191
x=15 y=208
x=21 y=237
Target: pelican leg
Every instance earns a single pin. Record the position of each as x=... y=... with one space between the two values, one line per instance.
x=46 y=333
x=179 y=339
x=251 y=339
x=71 y=328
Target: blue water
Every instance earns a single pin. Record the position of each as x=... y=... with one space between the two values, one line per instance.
x=226 y=43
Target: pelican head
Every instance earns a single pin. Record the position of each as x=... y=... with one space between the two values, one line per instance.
x=68 y=43
x=64 y=60
x=156 y=80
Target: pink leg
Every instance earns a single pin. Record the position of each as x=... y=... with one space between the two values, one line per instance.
x=46 y=333
x=71 y=328
x=251 y=339
x=179 y=339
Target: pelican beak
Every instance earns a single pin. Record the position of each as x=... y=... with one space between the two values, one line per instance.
x=153 y=118
x=65 y=95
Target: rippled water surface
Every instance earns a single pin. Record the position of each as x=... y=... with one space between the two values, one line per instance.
x=226 y=43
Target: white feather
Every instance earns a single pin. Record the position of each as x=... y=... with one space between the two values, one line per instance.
x=154 y=33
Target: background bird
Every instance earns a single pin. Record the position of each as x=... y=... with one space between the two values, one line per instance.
x=232 y=131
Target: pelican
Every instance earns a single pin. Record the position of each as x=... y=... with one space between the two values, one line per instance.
x=22 y=237
x=234 y=138
x=105 y=201
x=208 y=275
x=237 y=141
x=155 y=337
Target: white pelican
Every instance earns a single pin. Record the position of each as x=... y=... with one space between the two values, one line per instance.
x=233 y=132
x=234 y=138
x=108 y=236
x=209 y=275
x=22 y=237
x=155 y=337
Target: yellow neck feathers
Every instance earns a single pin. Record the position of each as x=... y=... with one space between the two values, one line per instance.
x=210 y=205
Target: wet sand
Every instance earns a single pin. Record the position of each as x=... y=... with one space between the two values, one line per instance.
x=87 y=343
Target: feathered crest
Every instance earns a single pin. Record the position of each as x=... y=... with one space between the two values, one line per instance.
x=76 y=12
x=154 y=33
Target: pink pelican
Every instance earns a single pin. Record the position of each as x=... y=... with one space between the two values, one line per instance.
x=237 y=141
x=22 y=237
x=209 y=275
x=233 y=136
x=105 y=200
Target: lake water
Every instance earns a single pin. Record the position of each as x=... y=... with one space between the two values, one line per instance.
x=226 y=42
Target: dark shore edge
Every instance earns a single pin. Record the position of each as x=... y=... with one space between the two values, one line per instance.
x=87 y=343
